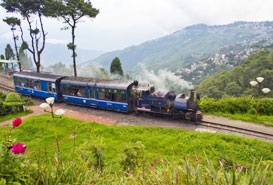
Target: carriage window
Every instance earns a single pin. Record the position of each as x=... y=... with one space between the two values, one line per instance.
x=66 y=89
x=37 y=84
x=120 y=96
x=30 y=83
x=101 y=93
x=51 y=87
x=74 y=90
x=111 y=95
x=19 y=81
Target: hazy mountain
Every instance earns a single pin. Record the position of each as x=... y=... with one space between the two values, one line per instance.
x=175 y=51
x=55 y=53
x=189 y=45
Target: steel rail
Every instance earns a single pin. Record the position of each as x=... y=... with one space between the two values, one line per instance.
x=6 y=88
x=240 y=130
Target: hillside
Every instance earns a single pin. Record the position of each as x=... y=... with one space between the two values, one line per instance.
x=235 y=82
x=55 y=53
x=189 y=45
x=224 y=59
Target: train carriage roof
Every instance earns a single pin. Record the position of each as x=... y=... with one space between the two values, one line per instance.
x=101 y=83
x=114 y=84
x=84 y=81
x=38 y=76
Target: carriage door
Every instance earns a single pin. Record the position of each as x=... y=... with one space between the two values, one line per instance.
x=51 y=89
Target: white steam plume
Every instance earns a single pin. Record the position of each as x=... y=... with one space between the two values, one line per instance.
x=163 y=80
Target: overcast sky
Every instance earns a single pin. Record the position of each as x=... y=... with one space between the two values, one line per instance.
x=123 y=23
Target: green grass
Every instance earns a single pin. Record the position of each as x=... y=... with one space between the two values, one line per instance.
x=12 y=116
x=178 y=156
x=38 y=133
x=253 y=118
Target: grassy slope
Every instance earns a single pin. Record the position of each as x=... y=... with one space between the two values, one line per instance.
x=38 y=134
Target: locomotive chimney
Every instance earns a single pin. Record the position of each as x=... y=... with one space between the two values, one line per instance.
x=192 y=95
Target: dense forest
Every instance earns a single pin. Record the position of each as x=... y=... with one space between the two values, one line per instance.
x=236 y=82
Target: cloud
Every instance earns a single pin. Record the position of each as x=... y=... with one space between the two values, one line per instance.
x=56 y=41
x=122 y=23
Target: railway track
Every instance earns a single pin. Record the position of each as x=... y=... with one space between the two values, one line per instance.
x=6 y=88
x=154 y=121
x=259 y=134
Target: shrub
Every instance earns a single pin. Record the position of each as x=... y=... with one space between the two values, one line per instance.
x=14 y=101
x=234 y=105
x=266 y=106
x=134 y=157
x=13 y=97
x=2 y=96
x=4 y=109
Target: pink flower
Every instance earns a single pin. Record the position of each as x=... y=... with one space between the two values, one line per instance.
x=16 y=122
x=152 y=164
x=18 y=148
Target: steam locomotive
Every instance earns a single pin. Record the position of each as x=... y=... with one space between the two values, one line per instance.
x=116 y=95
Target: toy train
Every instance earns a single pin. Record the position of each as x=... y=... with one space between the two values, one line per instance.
x=114 y=95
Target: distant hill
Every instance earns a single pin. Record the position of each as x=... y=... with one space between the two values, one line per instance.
x=235 y=82
x=55 y=53
x=189 y=45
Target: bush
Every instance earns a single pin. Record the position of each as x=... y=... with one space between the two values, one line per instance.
x=266 y=106
x=2 y=96
x=234 y=105
x=14 y=102
x=13 y=97
x=4 y=109
x=27 y=101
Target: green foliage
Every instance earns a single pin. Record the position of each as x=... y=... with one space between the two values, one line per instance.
x=266 y=106
x=236 y=81
x=150 y=155
x=13 y=97
x=99 y=158
x=14 y=103
x=13 y=167
x=4 y=109
x=9 y=115
x=115 y=67
x=134 y=157
x=239 y=105
x=9 y=52
x=2 y=96
x=71 y=11
x=12 y=21
x=71 y=46
x=29 y=9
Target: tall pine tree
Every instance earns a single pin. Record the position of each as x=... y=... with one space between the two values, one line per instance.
x=115 y=67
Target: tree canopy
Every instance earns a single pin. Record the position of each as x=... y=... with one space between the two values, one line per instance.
x=9 y=54
x=115 y=67
x=71 y=11
x=235 y=82
x=32 y=12
x=14 y=22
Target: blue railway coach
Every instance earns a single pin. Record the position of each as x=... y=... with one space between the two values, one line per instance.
x=39 y=85
x=98 y=93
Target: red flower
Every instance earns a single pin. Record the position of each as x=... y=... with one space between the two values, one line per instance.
x=18 y=148
x=152 y=164
x=16 y=122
